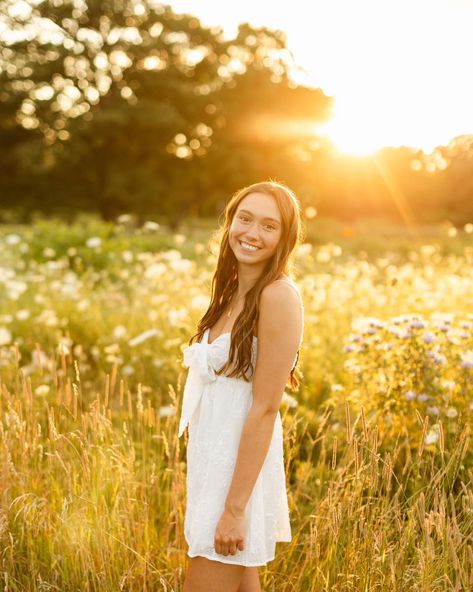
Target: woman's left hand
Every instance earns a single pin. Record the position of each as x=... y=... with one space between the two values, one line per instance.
x=230 y=533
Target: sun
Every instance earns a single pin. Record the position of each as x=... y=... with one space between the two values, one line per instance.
x=349 y=139
x=353 y=132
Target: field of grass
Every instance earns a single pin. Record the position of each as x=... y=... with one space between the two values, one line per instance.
x=378 y=447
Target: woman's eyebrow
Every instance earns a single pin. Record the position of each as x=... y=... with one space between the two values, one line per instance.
x=266 y=218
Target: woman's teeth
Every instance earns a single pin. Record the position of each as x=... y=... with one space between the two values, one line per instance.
x=248 y=247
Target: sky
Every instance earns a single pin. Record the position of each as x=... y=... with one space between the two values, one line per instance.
x=399 y=70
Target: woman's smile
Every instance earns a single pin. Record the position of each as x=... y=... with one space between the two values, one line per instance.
x=248 y=247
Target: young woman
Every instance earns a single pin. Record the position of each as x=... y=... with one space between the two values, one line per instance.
x=246 y=349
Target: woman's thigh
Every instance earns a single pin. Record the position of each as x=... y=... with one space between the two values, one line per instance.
x=250 y=580
x=206 y=575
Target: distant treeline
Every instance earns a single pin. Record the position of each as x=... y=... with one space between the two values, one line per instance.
x=117 y=106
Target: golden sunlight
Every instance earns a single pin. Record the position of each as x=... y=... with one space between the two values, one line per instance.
x=398 y=70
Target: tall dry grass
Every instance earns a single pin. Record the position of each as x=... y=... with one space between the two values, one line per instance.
x=377 y=440
x=93 y=492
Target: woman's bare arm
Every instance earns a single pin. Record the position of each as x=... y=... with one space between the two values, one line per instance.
x=279 y=335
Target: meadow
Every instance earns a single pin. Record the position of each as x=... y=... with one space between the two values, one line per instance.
x=93 y=320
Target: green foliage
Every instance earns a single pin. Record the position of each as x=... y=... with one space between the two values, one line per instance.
x=146 y=110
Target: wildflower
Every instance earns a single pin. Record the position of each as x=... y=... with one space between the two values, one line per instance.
x=289 y=400
x=127 y=370
x=5 y=336
x=167 y=410
x=323 y=256
x=349 y=348
x=41 y=390
x=63 y=347
x=422 y=397
x=433 y=410
x=155 y=270
x=40 y=360
x=175 y=316
x=124 y=219
x=23 y=314
x=440 y=359
x=452 y=412
x=199 y=301
x=304 y=249
x=114 y=359
x=48 y=317
x=418 y=324
x=151 y=226
x=448 y=384
x=12 y=239
x=48 y=252
x=427 y=250
x=127 y=256
x=428 y=337
x=433 y=435
x=112 y=348
x=410 y=395
x=182 y=265
x=467 y=359
x=120 y=331
x=93 y=242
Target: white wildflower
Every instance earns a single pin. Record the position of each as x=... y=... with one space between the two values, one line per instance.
x=49 y=252
x=41 y=390
x=452 y=412
x=127 y=256
x=167 y=410
x=433 y=435
x=151 y=226
x=5 y=336
x=12 y=239
x=120 y=332
x=155 y=270
x=289 y=400
x=93 y=242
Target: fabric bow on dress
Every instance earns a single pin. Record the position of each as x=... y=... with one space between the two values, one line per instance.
x=200 y=374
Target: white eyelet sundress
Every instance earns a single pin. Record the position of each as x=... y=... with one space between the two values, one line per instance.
x=215 y=408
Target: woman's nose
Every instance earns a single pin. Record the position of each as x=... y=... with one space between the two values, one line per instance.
x=252 y=231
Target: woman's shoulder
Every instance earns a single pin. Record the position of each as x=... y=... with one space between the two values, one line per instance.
x=287 y=280
x=278 y=286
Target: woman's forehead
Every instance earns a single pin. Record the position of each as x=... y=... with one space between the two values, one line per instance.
x=260 y=205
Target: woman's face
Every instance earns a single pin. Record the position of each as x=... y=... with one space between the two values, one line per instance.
x=256 y=222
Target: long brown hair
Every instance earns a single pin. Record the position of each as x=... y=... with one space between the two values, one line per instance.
x=225 y=278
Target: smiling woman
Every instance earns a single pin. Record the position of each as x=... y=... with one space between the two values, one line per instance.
x=237 y=506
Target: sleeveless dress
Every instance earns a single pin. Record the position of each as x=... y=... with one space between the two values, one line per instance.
x=215 y=408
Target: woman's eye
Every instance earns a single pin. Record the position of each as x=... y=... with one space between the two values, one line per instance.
x=246 y=219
